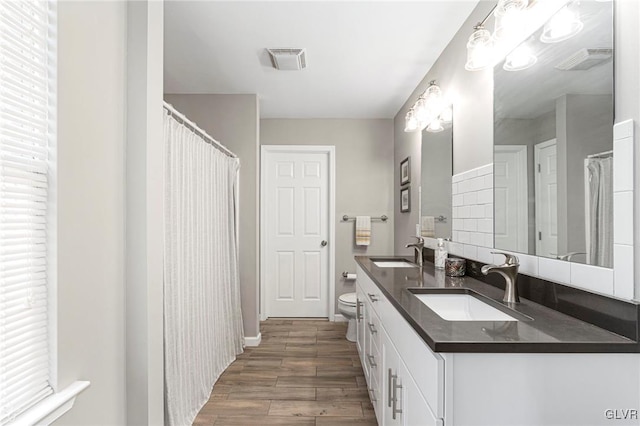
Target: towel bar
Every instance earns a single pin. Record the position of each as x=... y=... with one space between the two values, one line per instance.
x=382 y=218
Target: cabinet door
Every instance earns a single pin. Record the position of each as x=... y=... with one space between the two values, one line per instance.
x=390 y=360
x=361 y=321
x=415 y=410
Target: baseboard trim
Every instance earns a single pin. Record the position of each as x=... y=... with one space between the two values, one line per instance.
x=253 y=341
x=339 y=318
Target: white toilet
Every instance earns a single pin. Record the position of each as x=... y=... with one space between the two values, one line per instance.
x=347 y=307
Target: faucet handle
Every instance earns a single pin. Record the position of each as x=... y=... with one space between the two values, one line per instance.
x=420 y=239
x=509 y=259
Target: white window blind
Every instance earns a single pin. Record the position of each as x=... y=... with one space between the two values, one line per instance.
x=26 y=130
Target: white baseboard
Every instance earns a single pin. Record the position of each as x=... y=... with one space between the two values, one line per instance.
x=339 y=318
x=253 y=341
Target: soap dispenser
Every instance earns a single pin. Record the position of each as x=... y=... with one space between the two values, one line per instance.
x=440 y=254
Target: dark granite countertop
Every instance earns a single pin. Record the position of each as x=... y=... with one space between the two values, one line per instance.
x=547 y=330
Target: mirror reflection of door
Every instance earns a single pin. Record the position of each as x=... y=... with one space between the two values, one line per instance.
x=510 y=192
x=546 y=199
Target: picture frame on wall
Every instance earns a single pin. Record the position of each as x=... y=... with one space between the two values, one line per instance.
x=405 y=199
x=405 y=171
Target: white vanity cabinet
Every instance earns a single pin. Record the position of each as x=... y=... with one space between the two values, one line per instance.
x=394 y=392
x=410 y=385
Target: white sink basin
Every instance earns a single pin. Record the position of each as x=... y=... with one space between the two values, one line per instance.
x=462 y=307
x=393 y=264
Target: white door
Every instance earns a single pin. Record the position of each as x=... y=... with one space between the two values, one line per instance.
x=510 y=198
x=295 y=205
x=546 y=199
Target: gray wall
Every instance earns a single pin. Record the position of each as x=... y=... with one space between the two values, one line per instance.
x=587 y=131
x=364 y=176
x=233 y=120
x=472 y=96
x=91 y=229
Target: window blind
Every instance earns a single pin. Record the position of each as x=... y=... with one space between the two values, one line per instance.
x=26 y=129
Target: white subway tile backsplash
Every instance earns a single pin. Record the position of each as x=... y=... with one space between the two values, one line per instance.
x=623 y=264
x=623 y=130
x=477 y=238
x=470 y=224
x=456 y=178
x=528 y=264
x=488 y=211
x=455 y=248
x=488 y=240
x=458 y=200
x=470 y=252
x=455 y=235
x=554 y=270
x=463 y=237
x=484 y=254
x=454 y=188
x=485 y=196
x=485 y=170
x=457 y=224
x=485 y=225
x=464 y=212
x=456 y=212
x=592 y=278
x=470 y=198
x=488 y=182
x=477 y=211
x=623 y=165
x=623 y=218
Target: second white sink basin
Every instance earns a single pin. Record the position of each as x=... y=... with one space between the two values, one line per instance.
x=462 y=307
x=393 y=264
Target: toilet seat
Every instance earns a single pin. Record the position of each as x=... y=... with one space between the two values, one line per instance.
x=348 y=299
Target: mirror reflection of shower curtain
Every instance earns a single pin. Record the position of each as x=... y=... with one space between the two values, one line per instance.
x=600 y=205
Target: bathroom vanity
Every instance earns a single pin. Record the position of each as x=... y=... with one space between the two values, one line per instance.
x=535 y=366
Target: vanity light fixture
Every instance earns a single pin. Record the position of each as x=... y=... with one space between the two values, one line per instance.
x=509 y=16
x=479 y=49
x=410 y=122
x=429 y=111
x=520 y=58
x=563 y=25
x=512 y=17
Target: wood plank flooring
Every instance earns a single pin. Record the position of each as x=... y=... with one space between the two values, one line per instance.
x=304 y=373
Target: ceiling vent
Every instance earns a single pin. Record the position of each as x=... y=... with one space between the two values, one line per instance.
x=584 y=59
x=288 y=59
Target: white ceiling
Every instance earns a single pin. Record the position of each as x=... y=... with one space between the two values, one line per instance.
x=364 y=58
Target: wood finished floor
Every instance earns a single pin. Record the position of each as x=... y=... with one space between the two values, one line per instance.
x=304 y=373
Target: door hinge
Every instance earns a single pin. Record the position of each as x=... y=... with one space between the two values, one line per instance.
x=539 y=168
x=540 y=235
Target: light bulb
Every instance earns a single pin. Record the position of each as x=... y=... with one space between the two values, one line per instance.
x=509 y=18
x=411 y=122
x=479 y=50
x=563 y=25
x=435 y=126
x=520 y=58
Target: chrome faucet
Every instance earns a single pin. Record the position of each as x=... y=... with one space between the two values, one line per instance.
x=509 y=270
x=419 y=247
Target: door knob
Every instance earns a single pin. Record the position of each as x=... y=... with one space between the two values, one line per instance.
x=323 y=243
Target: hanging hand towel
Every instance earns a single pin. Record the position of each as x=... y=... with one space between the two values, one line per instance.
x=428 y=226
x=363 y=230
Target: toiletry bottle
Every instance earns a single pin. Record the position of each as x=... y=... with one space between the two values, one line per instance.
x=440 y=254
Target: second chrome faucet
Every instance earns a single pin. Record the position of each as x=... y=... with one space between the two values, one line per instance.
x=509 y=270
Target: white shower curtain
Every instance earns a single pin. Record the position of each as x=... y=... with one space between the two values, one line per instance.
x=600 y=211
x=202 y=316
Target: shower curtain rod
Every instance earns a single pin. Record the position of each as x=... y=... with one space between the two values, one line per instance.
x=197 y=130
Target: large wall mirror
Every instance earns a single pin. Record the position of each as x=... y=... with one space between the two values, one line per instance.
x=553 y=142
x=435 y=192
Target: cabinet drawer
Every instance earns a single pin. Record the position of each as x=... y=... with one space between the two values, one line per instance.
x=369 y=288
x=372 y=327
